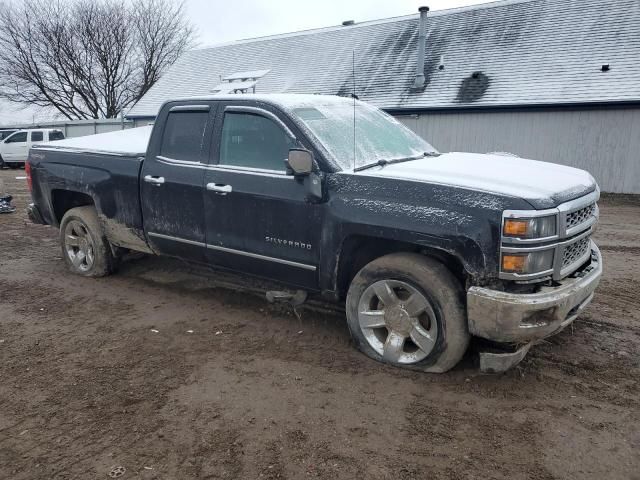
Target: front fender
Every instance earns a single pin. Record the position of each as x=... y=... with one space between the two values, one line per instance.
x=461 y=223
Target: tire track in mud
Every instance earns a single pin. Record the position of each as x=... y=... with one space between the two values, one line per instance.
x=100 y=378
x=631 y=250
x=90 y=387
x=459 y=437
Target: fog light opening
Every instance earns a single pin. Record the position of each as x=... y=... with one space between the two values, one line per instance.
x=539 y=318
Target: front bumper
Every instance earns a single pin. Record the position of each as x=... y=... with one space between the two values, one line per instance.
x=522 y=318
x=34 y=214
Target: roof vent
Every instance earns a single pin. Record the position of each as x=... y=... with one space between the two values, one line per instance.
x=348 y=23
x=239 y=82
x=418 y=82
x=606 y=67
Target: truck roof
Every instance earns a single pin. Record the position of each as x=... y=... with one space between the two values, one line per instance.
x=287 y=101
x=134 y=141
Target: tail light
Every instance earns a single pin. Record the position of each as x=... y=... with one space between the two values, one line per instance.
x=27 y=170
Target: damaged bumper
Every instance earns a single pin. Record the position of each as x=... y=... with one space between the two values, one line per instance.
x=501 y=361
x=523 y=318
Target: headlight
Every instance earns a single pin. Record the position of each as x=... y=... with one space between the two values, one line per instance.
x=539 y=227
x=527 y=263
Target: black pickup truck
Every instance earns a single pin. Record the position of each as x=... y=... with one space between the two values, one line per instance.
x=330 y=195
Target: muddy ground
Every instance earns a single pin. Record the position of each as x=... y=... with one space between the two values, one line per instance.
x=167 y=371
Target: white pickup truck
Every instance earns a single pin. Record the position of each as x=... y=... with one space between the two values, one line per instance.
x=14 y=149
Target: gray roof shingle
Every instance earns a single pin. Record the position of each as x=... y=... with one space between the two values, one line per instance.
x=522 y=52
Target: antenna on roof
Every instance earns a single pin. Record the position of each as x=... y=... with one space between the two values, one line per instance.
x=354 y=109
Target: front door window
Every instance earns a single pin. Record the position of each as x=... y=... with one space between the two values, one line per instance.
x=253 y=141
x=19 y=137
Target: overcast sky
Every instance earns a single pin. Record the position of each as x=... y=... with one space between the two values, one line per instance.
x=254 y=18
x=223 y=21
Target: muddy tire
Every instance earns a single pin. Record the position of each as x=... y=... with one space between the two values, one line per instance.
x=408 y=310
x=85 y=248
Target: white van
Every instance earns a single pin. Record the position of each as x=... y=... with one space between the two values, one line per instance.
x=14 y=149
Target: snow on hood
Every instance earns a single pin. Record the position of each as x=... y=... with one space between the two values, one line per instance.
x=132 y=141
x=544 y=185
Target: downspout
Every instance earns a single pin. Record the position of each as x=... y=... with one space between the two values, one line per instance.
x=418 y=82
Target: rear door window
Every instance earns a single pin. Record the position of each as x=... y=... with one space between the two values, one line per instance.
x=183 y=135
x=56 y=135
x=36 y=136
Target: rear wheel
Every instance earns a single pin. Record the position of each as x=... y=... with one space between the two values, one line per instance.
x=84 y=245
x=407 y=310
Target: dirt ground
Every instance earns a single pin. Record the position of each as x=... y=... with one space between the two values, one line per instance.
x=166 y=371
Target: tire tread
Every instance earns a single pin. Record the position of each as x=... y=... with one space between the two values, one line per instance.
x=435 y=279
x=105 y=263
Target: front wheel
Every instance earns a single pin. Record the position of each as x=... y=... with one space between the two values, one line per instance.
x=85 y=248
x=407 y=310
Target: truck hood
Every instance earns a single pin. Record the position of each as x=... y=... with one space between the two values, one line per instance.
x=542 y=184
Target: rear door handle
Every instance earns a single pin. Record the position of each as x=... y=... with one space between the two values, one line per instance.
x=219 y=188
x=154 y=180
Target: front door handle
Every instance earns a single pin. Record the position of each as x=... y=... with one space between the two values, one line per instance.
x=219 y=188
x=154 y=180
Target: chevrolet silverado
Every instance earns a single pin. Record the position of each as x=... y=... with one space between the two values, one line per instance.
x=332 y=196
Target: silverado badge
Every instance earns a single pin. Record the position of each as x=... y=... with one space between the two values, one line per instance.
x=288 y=243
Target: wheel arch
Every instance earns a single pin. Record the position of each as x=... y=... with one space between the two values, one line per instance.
x=63 y=200
x=357 y=251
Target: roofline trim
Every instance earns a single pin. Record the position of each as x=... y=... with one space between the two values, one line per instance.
x=524 y=106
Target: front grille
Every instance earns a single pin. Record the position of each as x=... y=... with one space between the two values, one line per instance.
x=570 y=246
x=572 y=253
x=580 y=216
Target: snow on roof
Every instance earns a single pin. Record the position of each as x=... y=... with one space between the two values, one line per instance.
x=505 y=53
x=131 y=142
x=229 y=87
x=253 y=74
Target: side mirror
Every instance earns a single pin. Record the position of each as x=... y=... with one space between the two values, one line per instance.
x=300 y=162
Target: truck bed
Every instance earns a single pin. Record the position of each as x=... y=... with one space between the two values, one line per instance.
x=131 y=142
x=103 y=170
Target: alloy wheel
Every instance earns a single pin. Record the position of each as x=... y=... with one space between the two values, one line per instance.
x=398 y=321
x=79 y=245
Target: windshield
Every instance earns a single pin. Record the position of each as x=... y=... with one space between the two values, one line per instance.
x=5 y=133
x=378 y=136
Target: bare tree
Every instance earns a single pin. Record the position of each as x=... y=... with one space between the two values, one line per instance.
x=88 y=58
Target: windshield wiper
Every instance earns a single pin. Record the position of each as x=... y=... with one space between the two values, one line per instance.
x=383 y=162
x=379 y=163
